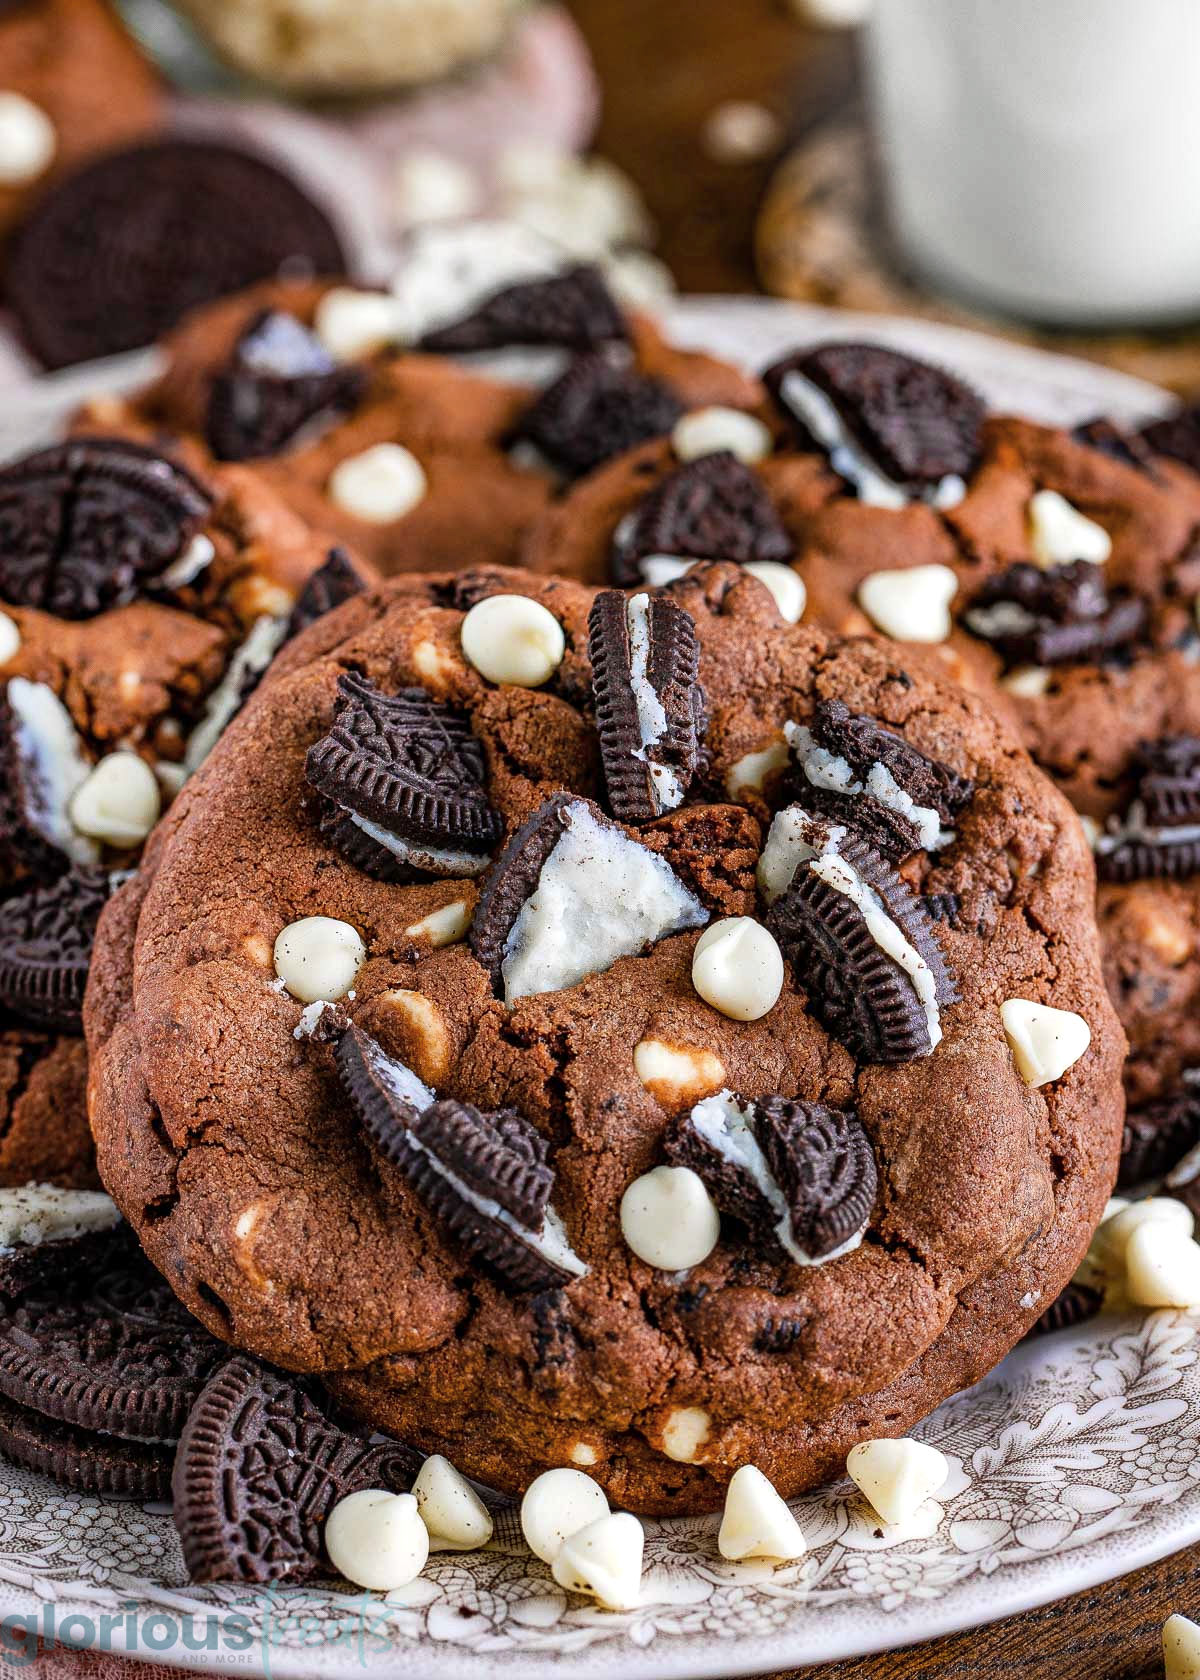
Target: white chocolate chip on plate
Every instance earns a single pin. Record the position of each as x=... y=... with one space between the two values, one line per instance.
x=1045 y=1042
x=756 y=1522
x=896 y=1477
x=1060 y=534
x=454 y=1514
x=119 y=803
x=669 y=1219
x=377 y=1539
x=556 y=1505
x=1162 y=1267
x=512 y=639
x=318 y=958
x=705 y=431
x=379 y=486
x=604 y=1560
x=1181 y=1649
x=737 y=967
x=911 y=604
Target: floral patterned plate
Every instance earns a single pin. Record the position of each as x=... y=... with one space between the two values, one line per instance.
x=1077 y=1460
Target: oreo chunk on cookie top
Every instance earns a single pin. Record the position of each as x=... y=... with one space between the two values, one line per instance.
x=895 y=428
x=1158 y=835
x=862 y=945
x=597 y=410
x=573 y=309
x=279 y=380
x=46 y=946
x=1056 y=615
x=649 y=704
x=406 y=781
x=570 y=895
x=852 y=769
x=713 y=508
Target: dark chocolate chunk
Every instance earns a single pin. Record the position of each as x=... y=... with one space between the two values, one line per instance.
x=1077 y=1303
x=513 y=878
x=916 y=422
x=645 y=658
x=574 y=309
x=337 y=580
x=46 y=946
x=1156 y=837
x=713 y=508
x=596 y=411
x=115 y=253
x=261 y=1464
x=1055 y=616
x=85 y=1460
x=858 y=992
x=1178 y=436
x=1158 y=1136
x=85 y=524
x=279 y=379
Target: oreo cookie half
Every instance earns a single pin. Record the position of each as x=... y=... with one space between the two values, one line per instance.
x=1159 y=833
x=861 y=944
x=894 y=427
x=570 y=895
x=280 y=379
x=573 y=309
x=649 y=704
x=46 y=946
x=261 y=1463
x=801 y=1176
x=406 y=783
x=165 y=226
x=595 y=411
x=856 y=771
x=713 y=508
x=85 y=524
x=1055 y=616
x=485 y=1177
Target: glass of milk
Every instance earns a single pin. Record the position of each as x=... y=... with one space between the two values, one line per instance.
x=1043 y=156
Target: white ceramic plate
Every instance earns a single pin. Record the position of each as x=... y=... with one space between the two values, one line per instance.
x=1074 y=1462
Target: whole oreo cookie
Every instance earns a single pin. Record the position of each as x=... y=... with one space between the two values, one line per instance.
x=166 y=226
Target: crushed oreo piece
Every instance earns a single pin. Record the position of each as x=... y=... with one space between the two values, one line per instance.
x=1158 y=1136
x=85 y=524
x=278 y=380
x=861 y=944
x=1055 y=616
x=261 y=1463
x=649 y=704
x=407 y=782
x=1077 y=1303
x=798 y=1174
x=853 y=769
x=484 y=1176
x=918 y=426
x=1127 y=447
x=1177 y=437
x=712 y=508
x=595 y=411
x=570 y=895
x=46 y=946
x=1159 y=833
x=573 y=309
x=335 y=581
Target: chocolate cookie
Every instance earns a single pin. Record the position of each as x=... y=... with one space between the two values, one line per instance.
x=407 y=1132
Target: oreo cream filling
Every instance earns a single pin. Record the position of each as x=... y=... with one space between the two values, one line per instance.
x=435 y=860
x=196 y=558
x=824 y=769
x=1133 y=827
x=669 y=786
x=53 y=767
x=267 y=635
x=41 y=1213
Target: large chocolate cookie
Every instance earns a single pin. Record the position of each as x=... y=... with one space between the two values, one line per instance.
x=418 y=1191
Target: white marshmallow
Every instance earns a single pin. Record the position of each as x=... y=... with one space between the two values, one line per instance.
x=708 y=430
x=318 y=958
x=604 y=1560
x=40 y=1213
x=28 y=140
x=353 y=324
x=756 y=1521
x=557 y=1504
x=1059 y=533
x=119 y=803
x=669 y=1219
x=687 y=1429
x=738 y=968
x=511 y=639
x=1181 y=1649
x=10 y=638
x=377 y=1539
x=379 y=486
x=787 y=586
x=1045 y=1042
x=1162 y=1267
x=454 y=1514
x=910 y=605
x=896 y=1477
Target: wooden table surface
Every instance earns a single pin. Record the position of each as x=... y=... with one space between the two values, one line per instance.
x=665 y=65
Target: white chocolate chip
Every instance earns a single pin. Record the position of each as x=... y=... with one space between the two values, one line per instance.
x=1162 y=1267
x=1045 y=1042
x=10 y=638
x=1029 y=682
x=379 y=486
x=119 y=803
x=584 y=1454
x=1181 y=1649
x=434 y=187
x=1122 y=1220
x=604 y=1560
x=741 y=130
x=686 y=1430
x=445 y=926
x=28 y=140
x=785 y=585
x=911 y=604
x=377 y=1539
x=677 y=1074
x=454 y=1514
x=1059 y=533
x=511 y=639
x=41 y=1213
x=707 y=431
x=738 y=968
x=318 y=958
x=896 y=1477
x=756 y=1522
x=669 y=1219
x=424 y=1042
x=752 y=769
x=352 y=324
x=557 y=1504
